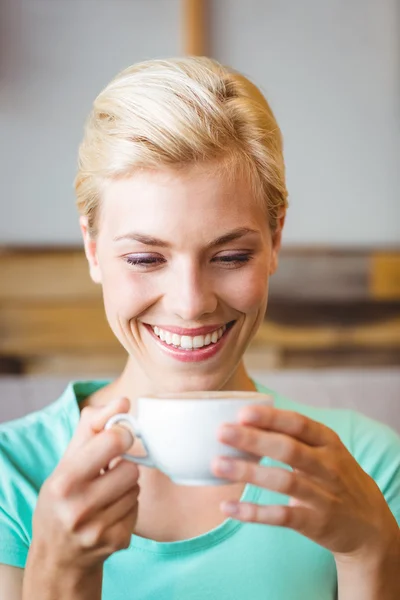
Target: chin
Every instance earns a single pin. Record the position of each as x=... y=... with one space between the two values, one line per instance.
x=196 y=382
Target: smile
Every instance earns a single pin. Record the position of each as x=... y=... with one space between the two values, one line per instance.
x=188 y=348
x=187 y=342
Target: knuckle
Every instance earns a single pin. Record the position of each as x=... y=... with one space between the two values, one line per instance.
x=288 y=482
x=121 y=539
x=87 y=413
x=254 y=442
x=92 y=536
x=60 y=486
x=247 y=471
x=71 y=516
x=125 y=542
x=135 y=491
x=114 y=442
x=300 y=424
x=282 y=515
x=288 y=451
x=130 y=470
x=335 y=438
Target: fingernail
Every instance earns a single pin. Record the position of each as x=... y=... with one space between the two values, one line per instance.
x=226 y=466
x=115 y=402
x=250 y=416
x=229 y=434
x=230 y=508
x=105 y=408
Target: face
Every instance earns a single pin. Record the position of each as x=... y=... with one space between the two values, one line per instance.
x=184 y=260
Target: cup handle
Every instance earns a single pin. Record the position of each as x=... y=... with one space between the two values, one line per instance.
x=145 y=460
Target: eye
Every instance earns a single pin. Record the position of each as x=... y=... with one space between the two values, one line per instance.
x=233 y=259
x=144 y=260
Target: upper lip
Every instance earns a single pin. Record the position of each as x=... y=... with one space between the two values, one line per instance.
x=191 y=332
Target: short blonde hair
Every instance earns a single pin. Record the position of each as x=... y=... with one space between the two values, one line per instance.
x=177 y=113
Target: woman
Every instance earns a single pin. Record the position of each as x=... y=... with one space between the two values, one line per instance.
x=182 y=197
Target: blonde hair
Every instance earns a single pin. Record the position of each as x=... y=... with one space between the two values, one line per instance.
x=176 y=113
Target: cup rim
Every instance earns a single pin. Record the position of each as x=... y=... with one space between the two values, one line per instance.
x=210 y=396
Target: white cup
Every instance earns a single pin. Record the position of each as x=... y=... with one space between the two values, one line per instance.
x=180 y=432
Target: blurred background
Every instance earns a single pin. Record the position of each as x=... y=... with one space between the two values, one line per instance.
x=331 y=72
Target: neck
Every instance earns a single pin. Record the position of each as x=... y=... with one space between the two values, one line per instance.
x=133 y=383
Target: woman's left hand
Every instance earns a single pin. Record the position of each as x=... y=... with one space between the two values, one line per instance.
x=333 y=501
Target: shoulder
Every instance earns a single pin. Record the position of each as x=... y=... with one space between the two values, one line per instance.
x=374 y=445
x=357 y=431
x=24 y=442
x=30 y=448
x=47 y=430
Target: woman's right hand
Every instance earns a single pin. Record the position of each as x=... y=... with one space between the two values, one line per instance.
x=87 y=509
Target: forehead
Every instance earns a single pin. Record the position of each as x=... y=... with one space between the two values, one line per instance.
x=169 y=201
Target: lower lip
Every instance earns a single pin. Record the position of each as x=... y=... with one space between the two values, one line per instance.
x=197 y=355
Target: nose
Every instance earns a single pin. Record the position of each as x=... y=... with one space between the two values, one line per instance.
x=190 y=294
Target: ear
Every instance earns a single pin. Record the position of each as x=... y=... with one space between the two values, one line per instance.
x=277 y=241
x=90 y=250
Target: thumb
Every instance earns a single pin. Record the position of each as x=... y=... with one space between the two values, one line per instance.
x=93 y=420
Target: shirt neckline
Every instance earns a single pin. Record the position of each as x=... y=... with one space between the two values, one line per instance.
x=77 y=392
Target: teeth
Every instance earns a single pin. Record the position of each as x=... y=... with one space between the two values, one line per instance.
x=198 y=341
x=188 y=342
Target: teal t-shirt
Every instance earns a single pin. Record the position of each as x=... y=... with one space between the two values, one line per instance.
x=234 y=560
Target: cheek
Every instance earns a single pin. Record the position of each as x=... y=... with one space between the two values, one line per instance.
x=249 y=292
x=126 y=295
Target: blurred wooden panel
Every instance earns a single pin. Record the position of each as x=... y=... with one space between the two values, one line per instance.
x=369 y=335
x=324 y=306
x=80 y=364
x=46 y=328
x=44 y=275
x=346 y=358
x=261 y=357
x=303 y=275
x=385 y=276
x=314 y=313
x=321 y=275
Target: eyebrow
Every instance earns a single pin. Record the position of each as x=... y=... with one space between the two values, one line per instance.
x=231 y=236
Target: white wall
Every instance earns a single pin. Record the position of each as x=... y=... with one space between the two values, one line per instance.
x=330 y=70
x=60 y=54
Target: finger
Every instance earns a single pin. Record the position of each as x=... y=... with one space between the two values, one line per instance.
x=115 y=461
x=276 y=446
x=97 y=454
x=288 y=482
x=119 y=405
x=289 y=422
x=112 y=485
x=83 y=431
x=125 y=508
x=93 y=420
x=123 y=529
x=298 y=518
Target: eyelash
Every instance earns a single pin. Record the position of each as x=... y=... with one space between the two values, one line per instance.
x=148 y=261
